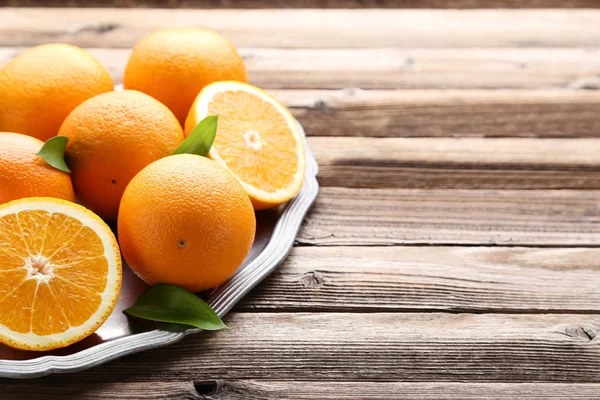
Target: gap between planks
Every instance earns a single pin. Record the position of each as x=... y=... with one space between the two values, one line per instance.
x=310 y=28
x=301 y=390
x=389 y=68
x=418 y=112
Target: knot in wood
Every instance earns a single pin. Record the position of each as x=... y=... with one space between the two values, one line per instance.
x=206 y=388
x=99 y=28
x=312 y=280
x=321 y=104
x=580 y=332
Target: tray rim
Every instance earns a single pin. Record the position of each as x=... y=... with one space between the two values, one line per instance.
x=222 y=299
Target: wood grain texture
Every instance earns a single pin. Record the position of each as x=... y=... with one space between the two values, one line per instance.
x=306 y=390
x=455 y=279
x=417 y=68
x=352 y=319
x=474 y=163
x=373 y=347
x=412 y=113
x=445 y=113
x=273 y=390
x=359 y=217
x=105 y=391
x=310 y=28
x=449 y=68
x=459 y=4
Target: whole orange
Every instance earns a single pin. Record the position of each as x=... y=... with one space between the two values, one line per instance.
x=111 y=138
x=23 y=174
x=187 y=221
x=41 y=86
x=173 y=65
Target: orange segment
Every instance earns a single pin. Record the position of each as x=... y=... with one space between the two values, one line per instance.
x=48 y=320
x=60 y=273
x=77 y=302
x=257 y=140
x=16 y=306
x=10 y=232
x=10 y=279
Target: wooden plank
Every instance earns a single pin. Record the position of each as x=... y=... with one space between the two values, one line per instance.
x=445 y=113
x=401 y=68
x=416 y=68
x=311 y=390
x=277 y=390
x=362 y=217
x=373 y=347
x=456 y=279
x=310 y=28
x=105 y=391
x=474 y=163
x=356 y=112
x=306 y=390
x=458 y=4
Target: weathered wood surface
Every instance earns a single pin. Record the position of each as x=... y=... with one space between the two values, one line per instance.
x=416 y=113
x=355 y=313
x=310 y=28
x=430 y=68
x=473 y=163
x=77 y=391
x=460 y=4
x=277 y=390
x=454 y=279
x=363 y=217
x=304 y=390
x=372 y=347
x=401 y=68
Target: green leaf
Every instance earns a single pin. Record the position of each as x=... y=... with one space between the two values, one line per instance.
x=201 y=138
x=53 y=152
x=170 y=303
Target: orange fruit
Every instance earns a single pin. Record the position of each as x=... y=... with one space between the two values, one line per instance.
x=173 y=65
x=41 y=86
x=111 y=138
x=258 y=140
x=23 y=174
x=60 y=273
x=187 y=221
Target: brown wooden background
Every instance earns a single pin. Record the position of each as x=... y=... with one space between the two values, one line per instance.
x=453 y=250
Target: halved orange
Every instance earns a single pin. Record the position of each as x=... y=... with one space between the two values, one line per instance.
x=258 y=140
x=60 y=273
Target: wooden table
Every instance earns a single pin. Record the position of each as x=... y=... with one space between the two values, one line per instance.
x=453 y=250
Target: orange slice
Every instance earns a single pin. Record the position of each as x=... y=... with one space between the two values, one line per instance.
x=60 y=273
x=258 y=140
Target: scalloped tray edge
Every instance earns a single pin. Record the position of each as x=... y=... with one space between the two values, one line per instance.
x=222 y=299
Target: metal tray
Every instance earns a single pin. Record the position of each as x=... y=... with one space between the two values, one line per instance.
x=275 y=234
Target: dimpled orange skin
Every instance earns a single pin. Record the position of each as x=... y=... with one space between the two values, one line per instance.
x=111 y=138
x=41 y=86
x=23 y=174
x=187 y=221
x=173 y=65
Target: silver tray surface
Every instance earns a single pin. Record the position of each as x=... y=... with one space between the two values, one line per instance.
x=275 y=234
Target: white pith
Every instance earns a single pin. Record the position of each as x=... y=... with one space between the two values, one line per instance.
x=253 y=140
x=45 y=274
x=39 y=268
x=201 y=106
